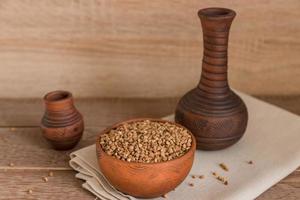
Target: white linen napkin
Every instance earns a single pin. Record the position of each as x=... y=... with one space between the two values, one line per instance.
x=272 y=142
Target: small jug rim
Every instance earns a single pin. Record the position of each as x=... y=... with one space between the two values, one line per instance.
x=57 y=96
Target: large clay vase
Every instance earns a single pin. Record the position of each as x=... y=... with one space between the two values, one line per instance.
x=62 y=125
x=212 y=111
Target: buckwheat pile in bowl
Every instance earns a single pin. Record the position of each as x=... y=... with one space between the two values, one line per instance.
x=146 y=141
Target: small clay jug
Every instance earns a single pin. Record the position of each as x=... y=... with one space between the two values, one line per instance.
x=62 y=125
x=212 y=111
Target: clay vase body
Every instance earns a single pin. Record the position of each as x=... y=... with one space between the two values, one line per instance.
x=212 y=111
x=62 y=125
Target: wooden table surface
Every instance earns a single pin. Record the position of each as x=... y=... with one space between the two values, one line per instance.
x=22 y=145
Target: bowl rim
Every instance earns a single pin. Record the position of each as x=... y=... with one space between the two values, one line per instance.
x=192 y=149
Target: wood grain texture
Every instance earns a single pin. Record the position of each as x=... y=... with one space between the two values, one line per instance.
x=150 y=48
x=62 y=185
x=286 y=189
x=113 y=109
x=96 y=112
x=27 y=148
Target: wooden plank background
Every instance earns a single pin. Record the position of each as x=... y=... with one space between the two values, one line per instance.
x=134 y=48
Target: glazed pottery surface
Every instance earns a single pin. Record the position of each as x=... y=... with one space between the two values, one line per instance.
x=212 y=111
x=62 y=125
x=144 y=180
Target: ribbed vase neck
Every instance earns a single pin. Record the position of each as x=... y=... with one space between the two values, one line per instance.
x=216 y=24
x=58 y=101
x=60 y=110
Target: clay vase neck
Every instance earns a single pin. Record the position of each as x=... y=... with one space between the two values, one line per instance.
x=216 y=24
x=62 y=125
x=212 y=111
x=60 y=110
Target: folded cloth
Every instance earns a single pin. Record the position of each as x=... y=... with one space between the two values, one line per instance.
x=271 y=142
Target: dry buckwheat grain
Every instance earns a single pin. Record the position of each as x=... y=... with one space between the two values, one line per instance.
x=146 y=142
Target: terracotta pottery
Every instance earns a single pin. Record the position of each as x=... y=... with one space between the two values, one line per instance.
x=212 y=111
x=145 y=180
x=62 y=125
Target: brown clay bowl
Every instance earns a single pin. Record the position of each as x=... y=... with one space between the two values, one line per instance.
x=145 y=180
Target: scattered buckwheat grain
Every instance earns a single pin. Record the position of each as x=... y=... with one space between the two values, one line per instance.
x=224 y=167
x=11 y=164
x=45 y=179
x=146 y=141
x=220 y=178
x=29 y=191
x=201 y=177
x=191 y=184
x=250 y=162
x=50 y=174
